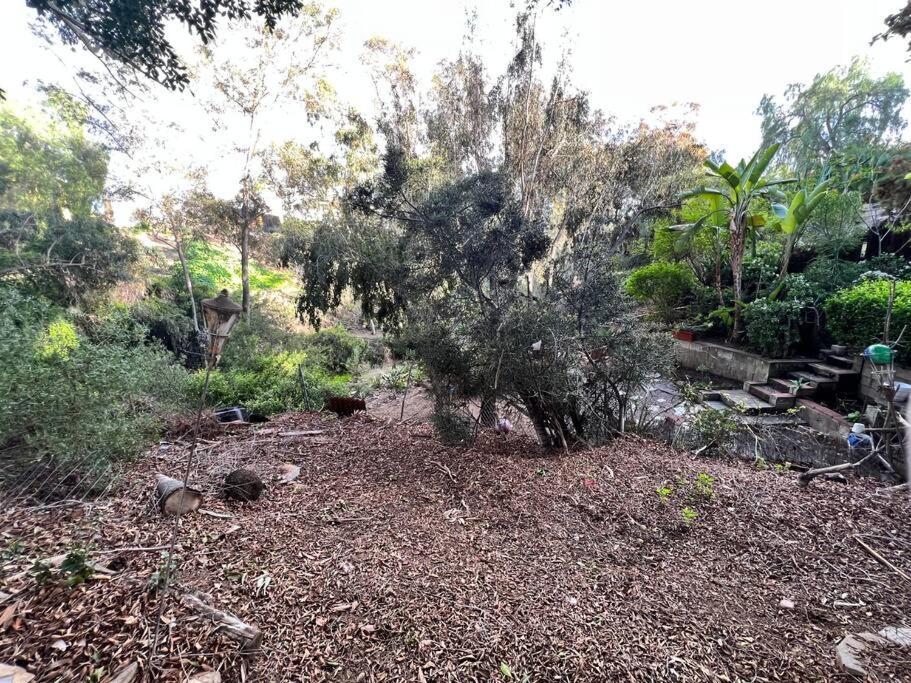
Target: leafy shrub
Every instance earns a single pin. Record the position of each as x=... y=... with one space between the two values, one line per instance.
x=264 y=331
x=772 y=326
x=711 y=429
x=273 y=383
x=72 y=400
x=663 y=285
x=453 y=427
x=827 y=275
x=760 y=270
x=339 y=350
x=855 y=316
x=374 y=353
x=147 y=320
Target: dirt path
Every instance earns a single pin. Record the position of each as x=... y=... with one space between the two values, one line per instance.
x=394 y=558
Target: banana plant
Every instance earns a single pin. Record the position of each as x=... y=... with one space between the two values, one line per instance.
x=735 y=193
x=793 y=219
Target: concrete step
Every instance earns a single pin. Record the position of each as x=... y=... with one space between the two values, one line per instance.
x=742 y=400
x=840 y=361
x=779 y=400
x=786 y=386
x=840 y=374
x=818 y=381
x=709 y=395
x=716 y=405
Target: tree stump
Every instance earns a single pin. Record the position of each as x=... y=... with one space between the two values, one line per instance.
x=174 y=498
x=243 y=484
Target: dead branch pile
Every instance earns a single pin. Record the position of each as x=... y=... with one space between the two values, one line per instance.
x=392 y=557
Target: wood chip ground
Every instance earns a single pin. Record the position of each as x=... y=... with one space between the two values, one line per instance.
x=393 y=558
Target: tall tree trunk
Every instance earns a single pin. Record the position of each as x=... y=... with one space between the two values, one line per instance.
x=245 y=220
x=187 y=279
x=245 y=267
x=718 y=289
x=738 y=243
x=545 y=430
x=785 y=263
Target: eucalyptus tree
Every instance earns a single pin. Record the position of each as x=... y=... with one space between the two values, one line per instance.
x=735 y=196
x=897 y=24
x=134 y=33
x=844 y=113
x=264 y=72
x=487 y=241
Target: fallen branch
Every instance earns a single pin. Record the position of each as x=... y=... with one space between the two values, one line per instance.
x=804 y=479
x=306 y=432
x=898 y=488
x=882 y=560
x=249 y=637
x=218 y=515
x=443 y=468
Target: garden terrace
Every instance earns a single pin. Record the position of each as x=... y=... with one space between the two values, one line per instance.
x=392 y=557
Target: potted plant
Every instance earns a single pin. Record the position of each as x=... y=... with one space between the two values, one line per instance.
x=690 y=331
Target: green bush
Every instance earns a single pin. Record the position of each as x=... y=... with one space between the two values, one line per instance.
x=760 y=270
x=273 y=383
x=827 y=275
x=339 y=350
x=73 y=400
x=855 y=316
x=772 y=326
x=452 y=426
x=663 y=285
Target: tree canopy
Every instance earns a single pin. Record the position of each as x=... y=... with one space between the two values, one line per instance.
x=133 y=32
x=841 y=113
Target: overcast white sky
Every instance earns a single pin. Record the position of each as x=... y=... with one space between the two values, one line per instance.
x=630 y=55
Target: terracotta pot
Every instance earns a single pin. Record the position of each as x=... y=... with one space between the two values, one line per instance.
x=685 y=335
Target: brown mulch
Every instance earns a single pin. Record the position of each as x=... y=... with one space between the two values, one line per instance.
x=395 y=558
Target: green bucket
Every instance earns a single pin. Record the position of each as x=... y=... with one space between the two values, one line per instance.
x=879 y=354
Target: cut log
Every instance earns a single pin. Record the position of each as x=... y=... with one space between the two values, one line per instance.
x=174 y=498
x=243 y=485
x=249 y=637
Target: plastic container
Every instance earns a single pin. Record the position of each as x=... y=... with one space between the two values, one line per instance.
x=879 y=354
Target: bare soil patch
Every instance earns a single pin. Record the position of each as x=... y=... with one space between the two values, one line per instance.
x=392 y=557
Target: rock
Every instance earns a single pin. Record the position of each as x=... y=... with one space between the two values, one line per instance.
x=786 y=604
x=127 y=674
x=898 y=635
x=206 y=677
x=14 y=674
x=850 y=647
x=846 y=653
x=243 y=485
x=288 y=472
